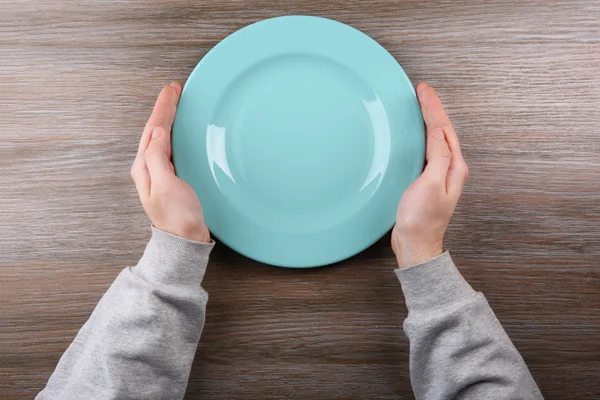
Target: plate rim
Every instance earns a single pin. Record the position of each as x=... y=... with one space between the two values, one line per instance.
x=336 y=256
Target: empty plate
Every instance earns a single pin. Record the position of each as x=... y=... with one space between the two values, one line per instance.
x=299 y=135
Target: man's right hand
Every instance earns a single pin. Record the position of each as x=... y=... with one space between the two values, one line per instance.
x=426 y=207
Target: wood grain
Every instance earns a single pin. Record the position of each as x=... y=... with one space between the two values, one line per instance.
x=521 y=81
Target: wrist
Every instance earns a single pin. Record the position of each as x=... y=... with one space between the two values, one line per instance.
x=173 y=260
x=415 y=259
x=410 y=254
x=196 y=234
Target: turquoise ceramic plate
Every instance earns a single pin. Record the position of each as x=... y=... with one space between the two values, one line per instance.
x=299 y=135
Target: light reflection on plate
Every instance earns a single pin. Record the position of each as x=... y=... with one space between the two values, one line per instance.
x=299 y=134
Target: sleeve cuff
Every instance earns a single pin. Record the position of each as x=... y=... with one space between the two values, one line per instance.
x=433 y=284
x=173 y=260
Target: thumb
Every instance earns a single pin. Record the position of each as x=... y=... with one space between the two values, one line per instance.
x=438 y=157
x=157 y=157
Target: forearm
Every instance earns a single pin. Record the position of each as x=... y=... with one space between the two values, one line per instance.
x=458 y=349
x=141 y=339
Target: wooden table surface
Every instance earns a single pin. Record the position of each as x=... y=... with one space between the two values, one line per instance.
x=521 y=81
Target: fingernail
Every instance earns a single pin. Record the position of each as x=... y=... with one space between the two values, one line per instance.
x=438 y=133
x=156 y=132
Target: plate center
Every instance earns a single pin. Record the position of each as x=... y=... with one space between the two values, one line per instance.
x=299 y=137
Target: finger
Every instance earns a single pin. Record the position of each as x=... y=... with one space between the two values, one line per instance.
x=157 y=158
x=438 y=158
x=162 y=114
x=458 y=172
x=433 y=111
x=141 y=178
x=436 y=118
x=178 y=89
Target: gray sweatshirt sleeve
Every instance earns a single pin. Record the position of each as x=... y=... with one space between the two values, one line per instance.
x=140 y=341
x=458 y=349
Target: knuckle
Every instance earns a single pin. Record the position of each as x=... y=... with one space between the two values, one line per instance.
x=133 y=171
x=465 y=169
x=404 y=222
